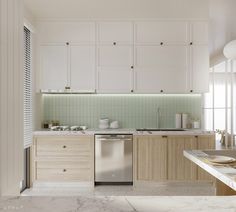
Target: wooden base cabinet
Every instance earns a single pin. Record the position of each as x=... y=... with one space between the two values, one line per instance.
x=179 y=167
x=150 y=158
x=205 y=142
x=160 y=158
x=63 y=159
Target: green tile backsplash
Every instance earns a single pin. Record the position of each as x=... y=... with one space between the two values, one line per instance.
x=132 y=111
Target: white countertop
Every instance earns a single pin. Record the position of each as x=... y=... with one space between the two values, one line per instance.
x=225 y=174
x=120 y=131
x=119 y=203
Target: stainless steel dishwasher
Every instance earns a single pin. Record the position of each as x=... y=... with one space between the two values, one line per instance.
x=113 y=159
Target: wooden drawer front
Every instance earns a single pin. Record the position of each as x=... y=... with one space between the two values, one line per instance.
x=63 y=171
x=63 y=147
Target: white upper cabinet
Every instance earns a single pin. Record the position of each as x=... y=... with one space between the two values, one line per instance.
x=115 y=73
x=115 y=56
x=82 y=67
x=199 y=54
x=61 y=32
x=124 y=56
x=199 y=33
x=200 y=69
x=161 y=69
x=116 y=80
x=166 y=32
x=115 y=33
x=54 y=67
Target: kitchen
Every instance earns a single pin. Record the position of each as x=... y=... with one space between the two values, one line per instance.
x=120 y=99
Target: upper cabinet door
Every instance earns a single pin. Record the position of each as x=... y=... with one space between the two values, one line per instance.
x=73 y=32
x=115 y=73
x=54 y=67
x=113 y=33
x=161 y=69
x=115 y=56
x=82 y=67
x=166 y=32
x=200 y=69
x=199 y=33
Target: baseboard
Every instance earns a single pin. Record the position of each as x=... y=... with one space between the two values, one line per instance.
x=40 y=184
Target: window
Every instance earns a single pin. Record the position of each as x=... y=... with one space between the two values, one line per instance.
x=27 y=89
x=219 y=104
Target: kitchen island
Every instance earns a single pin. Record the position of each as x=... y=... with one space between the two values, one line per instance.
x=225 y=174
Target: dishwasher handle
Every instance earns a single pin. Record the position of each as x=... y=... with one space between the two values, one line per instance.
x=113 y=139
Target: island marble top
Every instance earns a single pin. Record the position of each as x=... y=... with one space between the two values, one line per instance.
x=224 y=173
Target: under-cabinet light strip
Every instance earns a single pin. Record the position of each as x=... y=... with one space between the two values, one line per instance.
x=128 y=95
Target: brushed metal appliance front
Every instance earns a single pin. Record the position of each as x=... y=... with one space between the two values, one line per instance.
x=113 y=158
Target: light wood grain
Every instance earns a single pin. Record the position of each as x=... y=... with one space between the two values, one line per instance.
x=223 y=190
x=63 y=159
x=205 y=142
x=158 y=158
x=62 y=146
x=179 y=167
x=151 y=158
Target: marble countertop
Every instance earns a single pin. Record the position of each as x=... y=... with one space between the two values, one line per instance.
x=120 y=131
x=119 y=204
x=225 y=173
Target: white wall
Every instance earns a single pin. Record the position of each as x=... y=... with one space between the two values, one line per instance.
x=11 y=96
x=222 y=27
x=83 y=9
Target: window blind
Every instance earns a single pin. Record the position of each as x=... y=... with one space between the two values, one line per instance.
x=28 y=118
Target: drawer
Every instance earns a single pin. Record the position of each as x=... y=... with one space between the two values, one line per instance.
x=63 y=171
x=58 y=146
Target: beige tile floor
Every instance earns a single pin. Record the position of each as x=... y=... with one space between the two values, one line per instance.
x=166 y=189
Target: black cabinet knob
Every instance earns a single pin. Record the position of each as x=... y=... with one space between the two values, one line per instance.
x=114 y=43
x=67 y=43
x=161 y=43
x=191 y=43
x=64 y=147
x=161 y=91
x=132 y=67
x=64 y=170
x=191 y=91
x=132 y=91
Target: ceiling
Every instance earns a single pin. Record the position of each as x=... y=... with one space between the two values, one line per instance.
x=116 y=8
x=221 y=12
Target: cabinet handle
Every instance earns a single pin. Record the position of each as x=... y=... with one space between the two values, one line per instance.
x=191 y=91
x=67 y=43
x=67 y=88
x=64 y=147
x=191 y=43
x=196 y=136
x=114 y=43
x=132 y=91
x=132 y=67
x=64 y=170
x=161 y=43
x=164 y=136
x=161 y=91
